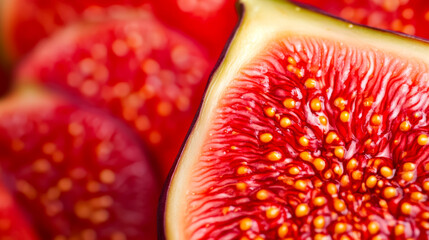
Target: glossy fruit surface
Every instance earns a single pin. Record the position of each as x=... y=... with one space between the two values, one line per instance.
x=311 y=128
x=406 y=16
x=78 y=173
x=135 y=68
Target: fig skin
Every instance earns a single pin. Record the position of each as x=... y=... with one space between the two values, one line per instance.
x=231 y=64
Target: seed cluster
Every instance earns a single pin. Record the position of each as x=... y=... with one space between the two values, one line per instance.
x=316 y=160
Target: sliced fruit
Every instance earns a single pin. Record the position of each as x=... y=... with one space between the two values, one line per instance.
x=311 y=128
x=137 y=69
x=211 y=22
x=13 y=224
x=78 y=173
x=409 y=16
x=23 y=23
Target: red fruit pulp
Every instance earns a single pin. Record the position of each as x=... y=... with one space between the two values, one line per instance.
x=406 y=16
x=211 y=22
x=26 y=22
x=316 y=140
x=13 y=224
x=76 y=172
x=136 y=69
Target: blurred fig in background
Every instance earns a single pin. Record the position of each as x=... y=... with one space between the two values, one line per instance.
x=211 y=22
x=406 y=16
x=78 y=173
x=25 y=22
x=13 y=224
x=135 y=68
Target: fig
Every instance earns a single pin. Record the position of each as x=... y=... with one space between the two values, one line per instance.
x=135 y=68
x=311 y=128
x=410 y=17
x=75 y=171
x=23 y=23
x=13 y=224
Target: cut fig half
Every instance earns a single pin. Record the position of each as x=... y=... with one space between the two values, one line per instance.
x=311 y=128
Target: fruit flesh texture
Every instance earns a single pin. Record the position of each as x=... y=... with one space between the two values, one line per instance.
x=76 y=172
x=222 y=196
x=136 y=69
x=284 y=153
x=410 y=16
x=13 y=224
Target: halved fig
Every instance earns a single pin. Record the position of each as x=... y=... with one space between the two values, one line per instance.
x=311 y=128
x=136 y=68
x=78 y=173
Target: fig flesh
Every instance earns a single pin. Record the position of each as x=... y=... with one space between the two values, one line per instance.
x=311 y=128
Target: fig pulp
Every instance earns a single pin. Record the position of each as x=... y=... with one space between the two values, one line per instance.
x=133 y=67
x=311 y=128
x=78 y=173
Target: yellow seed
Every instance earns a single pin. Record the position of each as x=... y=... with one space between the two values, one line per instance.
x=328 y=174
x=331 y=137
x=285 y=122
x=357 y=175
x=427 y=167
x=241 y=186
x=409 y=166
x=259 y=238
x=373 y=227
x=352 y=164
x=389 y=192
x=344 y=116
x=320 y=236
x=316 y=105
x=246 y=224
x=289 y=103
x=339 y=205
x=274 y=156
x=319 y=222
x=399 y=229
x=386 y=172
x=301 y=185
x=272 y=212
x=262 y=195
x=368 y=102
x=338 y=170
x=371 y=181
x=303 y=141
x=319 y=201
x=310 y=83
x=376 y=119
x=340 y=228
x=340 y=103
x=282 y=230
x=426 y=185
x=306 y=156
x=302 y=210
x=406 y=208
x=323 y=120
x=383 y=203
x=339 y=152
x=345 y=181
x=407 y=176
x=294 y=171
x=266 y=137
x=423 y=139
x=416 y=196
x=270 y=112
x=331 y=188
x=425 y=215
x=242 y=170
x=291 y=60
x=405 y=126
